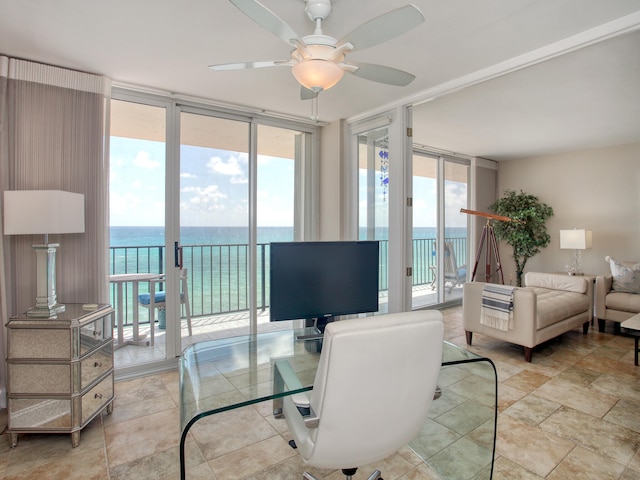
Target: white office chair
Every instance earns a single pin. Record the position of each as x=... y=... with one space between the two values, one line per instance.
x=159 y=301
x=372 y=392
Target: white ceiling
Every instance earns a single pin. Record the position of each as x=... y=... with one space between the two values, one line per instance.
x=466 y=103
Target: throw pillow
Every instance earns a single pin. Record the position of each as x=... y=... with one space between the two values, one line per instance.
x=626 y=276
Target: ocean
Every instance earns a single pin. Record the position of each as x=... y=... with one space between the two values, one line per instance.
x=217 y=260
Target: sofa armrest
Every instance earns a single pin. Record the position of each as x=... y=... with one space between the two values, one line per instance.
x=603 y=287
x=524 y=314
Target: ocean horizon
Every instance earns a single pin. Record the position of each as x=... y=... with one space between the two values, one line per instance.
x=125 y=236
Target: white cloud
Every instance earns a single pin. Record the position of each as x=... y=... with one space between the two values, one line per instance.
x=204 y=199
x=188 y=175
x=143 y=160
x=234 y=167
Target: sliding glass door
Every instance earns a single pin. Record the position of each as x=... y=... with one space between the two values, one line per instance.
x=214 y=222
x=373 y=203
x=137 y=225
x=201 y=194
x=440 y=246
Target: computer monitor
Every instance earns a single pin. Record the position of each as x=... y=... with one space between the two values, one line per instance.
x=322 y=280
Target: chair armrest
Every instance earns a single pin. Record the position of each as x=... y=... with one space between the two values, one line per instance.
x=285 y=379
x=603 y=287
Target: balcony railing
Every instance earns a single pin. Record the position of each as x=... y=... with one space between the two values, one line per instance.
x=219 y=274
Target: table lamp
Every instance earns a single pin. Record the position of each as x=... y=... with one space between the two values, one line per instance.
x=577 y=239
x=29 y=212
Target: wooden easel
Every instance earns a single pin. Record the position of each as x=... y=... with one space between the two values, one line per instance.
x=492 y=248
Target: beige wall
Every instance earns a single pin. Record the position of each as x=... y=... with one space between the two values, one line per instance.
x=597 y=189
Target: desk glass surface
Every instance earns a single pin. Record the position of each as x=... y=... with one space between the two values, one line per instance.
x=458 y=440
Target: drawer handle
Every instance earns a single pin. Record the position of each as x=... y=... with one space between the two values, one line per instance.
x=98 y=395
x=97 y=333
x=97 y=364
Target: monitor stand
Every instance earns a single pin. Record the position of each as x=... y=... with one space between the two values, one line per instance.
x=317 y=326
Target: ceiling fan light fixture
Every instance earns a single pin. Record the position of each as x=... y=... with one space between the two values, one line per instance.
x=317 y=75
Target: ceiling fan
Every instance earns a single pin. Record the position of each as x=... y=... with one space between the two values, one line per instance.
x=318 y=60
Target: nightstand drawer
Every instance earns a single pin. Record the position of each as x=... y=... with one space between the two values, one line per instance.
x=96 y=398
x=95 y=333
x=96 y=365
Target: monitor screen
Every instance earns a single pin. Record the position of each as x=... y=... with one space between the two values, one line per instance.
x=316 y=280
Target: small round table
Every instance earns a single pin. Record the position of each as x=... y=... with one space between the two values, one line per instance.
x=632 y=325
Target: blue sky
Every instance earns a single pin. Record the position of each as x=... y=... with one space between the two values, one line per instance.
x=214 y=186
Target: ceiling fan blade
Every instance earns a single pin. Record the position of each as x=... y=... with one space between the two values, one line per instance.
x=267 y=19
x=244 y=65
x=307 y=94
x=382 y=74
x=385 y=27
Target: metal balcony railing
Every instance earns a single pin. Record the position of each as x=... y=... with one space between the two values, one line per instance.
x=219 y=274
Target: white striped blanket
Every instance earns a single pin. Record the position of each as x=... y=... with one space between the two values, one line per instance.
x=497 y=307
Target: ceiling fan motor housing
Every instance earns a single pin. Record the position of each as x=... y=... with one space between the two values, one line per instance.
x=318 y=9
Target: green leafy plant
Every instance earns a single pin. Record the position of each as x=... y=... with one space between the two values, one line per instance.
x=527 y=234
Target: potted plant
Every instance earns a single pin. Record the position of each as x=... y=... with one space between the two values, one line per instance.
x=527 y=234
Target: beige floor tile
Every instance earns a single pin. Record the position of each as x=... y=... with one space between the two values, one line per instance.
x=612 y=441
x=625 y=414
x=142 y=437
x=254 y=458
x=585 y=400
x=530 y=447
x=586 y=465
x=227 y=432
x=526 y=380
x=91 y=465
x=532 y=409
x=505 y=469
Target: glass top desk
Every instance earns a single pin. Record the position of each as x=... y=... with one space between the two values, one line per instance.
x=458 y=440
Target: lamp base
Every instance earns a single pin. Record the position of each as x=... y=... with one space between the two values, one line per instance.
x=46 y=312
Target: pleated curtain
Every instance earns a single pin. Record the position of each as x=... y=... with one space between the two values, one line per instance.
x=54 y=136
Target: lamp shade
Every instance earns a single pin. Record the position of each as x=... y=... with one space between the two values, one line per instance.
x=576 y=239
x=43 y=212
x=317 y=75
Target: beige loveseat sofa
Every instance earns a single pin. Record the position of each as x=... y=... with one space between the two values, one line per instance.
x=618 y=294
x=549 y=305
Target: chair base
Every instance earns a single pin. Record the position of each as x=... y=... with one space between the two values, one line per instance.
x=349 y=472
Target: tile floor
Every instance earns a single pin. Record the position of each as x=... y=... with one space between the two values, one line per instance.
x=573 y=413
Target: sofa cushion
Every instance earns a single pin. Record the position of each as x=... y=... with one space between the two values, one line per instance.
x=556 y=305
x=571 y=283
x=626 y=276
x=624 y=302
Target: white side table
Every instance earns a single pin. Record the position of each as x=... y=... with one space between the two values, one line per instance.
x=632 y=324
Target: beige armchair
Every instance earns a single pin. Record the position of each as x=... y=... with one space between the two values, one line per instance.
x=617 y=295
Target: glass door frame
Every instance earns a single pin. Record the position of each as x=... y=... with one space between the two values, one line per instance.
x=441 y=218
x=305 y=200
x=399 y=122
